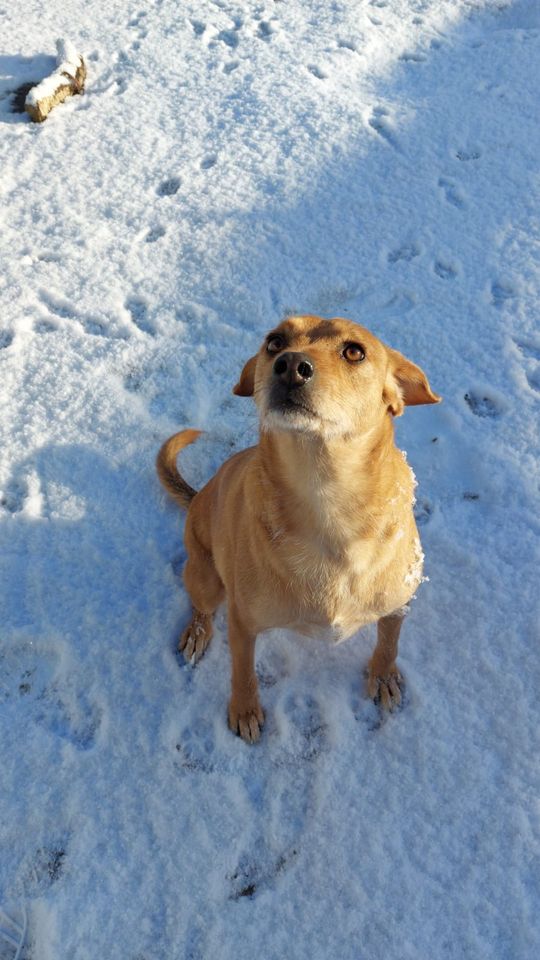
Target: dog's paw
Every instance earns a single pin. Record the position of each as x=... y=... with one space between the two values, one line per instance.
x=196 y=637
x=246 y=721
x=385 y=690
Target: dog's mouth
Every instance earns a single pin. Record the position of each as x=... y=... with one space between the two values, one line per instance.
x=291 y=405
x=289 y=408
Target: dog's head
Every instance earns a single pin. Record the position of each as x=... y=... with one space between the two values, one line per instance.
x=330 y=377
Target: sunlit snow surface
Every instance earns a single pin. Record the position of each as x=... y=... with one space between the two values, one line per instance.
x=227 y=164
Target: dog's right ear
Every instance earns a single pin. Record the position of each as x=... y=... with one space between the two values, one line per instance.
x=246 y=383
x=406 y=384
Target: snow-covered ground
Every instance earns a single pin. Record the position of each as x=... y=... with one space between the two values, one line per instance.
x=230 y=162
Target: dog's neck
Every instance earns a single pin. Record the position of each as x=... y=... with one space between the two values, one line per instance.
x=335 y=488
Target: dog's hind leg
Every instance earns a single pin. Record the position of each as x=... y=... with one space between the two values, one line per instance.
x=206 y=592
x=383 y=676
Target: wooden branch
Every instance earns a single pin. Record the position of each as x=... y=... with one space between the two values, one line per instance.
x=67 y=79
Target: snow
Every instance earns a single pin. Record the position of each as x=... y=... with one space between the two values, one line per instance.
x=227 y=163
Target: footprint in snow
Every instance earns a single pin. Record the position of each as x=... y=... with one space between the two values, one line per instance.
x=363 y=709
x=45 y=868
x=533 y=380
x=13 y=497
x=196 y=750
x=257 y=870
x=402 y=301
x=452 y=193
x=317 y=72
x=138 y=311
x=156 y=233
x=6 y=339
x=45 y=326
x=198 y=27
x=422 y=512
x=134 y=380
x=466 y=155
x=407 y=253
x=411 y=56
x=265 y=30
x=297 y=737
x=135 y=21
x=49 y=257
x=283 y=803
x=307 y=729
x=444 y=270
x=271 y=668
x=169 y=187
x=380 y=122
x=208 y=162
x=78 y=723
x=59 y=307
x=124 y=58
x=529 y=349
x=142 y=32
x=482 y=405
x=30 y=676
x=348 y=45
x=66 y=311
x=230 y=37
x=501 y=293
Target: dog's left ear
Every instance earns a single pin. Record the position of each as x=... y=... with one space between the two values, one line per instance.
x=406 y=384
x=246 y=383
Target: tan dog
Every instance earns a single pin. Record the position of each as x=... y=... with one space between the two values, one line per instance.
x=313 y=528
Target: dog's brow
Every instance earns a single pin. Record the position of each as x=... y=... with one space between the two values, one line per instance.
x=323 y=331
x=286 y=329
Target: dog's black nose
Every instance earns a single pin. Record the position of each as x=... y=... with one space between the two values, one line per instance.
x=293 y=369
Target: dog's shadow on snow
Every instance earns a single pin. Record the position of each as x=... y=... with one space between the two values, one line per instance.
x=74 y=541
x=17 y=75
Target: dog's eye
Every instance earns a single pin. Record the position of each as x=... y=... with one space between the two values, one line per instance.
x=275 y=344
x=353 y=352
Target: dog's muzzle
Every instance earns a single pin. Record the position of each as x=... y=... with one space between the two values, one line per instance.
x=292 y=374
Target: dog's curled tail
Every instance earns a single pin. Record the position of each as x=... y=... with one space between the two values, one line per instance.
x=167 y=470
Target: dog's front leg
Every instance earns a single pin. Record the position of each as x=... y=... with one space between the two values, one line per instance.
x=384 y=677
x=245 y=713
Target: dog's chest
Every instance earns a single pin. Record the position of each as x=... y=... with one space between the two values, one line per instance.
x=336 y=602
x=331 y=633
x=333 y=597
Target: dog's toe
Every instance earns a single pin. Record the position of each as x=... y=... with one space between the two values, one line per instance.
x=248 y=724
x=250 y=730
x=386 y=690
x=196 y=637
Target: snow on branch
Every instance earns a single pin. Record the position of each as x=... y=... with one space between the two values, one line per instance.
x=67 y=79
